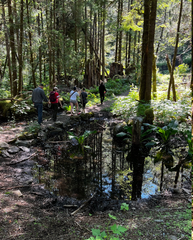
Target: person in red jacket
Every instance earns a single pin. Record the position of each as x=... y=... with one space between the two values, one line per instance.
x=54 y=99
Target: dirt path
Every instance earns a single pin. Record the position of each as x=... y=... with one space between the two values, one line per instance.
x=9 y=131
x=106 y=104
x=26 y=212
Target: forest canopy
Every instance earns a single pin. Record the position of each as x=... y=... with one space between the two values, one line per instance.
x=79 y=41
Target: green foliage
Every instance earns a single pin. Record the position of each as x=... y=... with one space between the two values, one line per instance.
x=67 y=108
x=65 y=97
x=20 y=107
x=33 y=127
x=164 y=110
x=116 y=230
x=124 y=206
x=188 y=137
x=167 y=131
x=133 y=21
x=164 y=132
x=116 y=86
x=92 y=99
x=188 y=60
x=94 y=89
x=81 y=139
x=128 y=135
x=181 y=69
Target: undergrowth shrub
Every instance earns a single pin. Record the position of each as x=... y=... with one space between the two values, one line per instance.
x=164 y=110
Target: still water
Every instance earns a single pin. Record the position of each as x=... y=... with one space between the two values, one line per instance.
x=102 y=165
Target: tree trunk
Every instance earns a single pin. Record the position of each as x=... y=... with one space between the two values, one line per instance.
x=150 y=7
x=174 y=57
x=191 y=85
x=103 y=40
x=54 y=43
x=162 y=31
x=40 y=49
x=138 y=56
x=13 y=49
x=120 y=31
x=30 y=45
x=20 y=83
x=85 y=38
x=117 y=33
x=7 y=49
x=49 y=28
x=170 y=70
x=134 y=48
x=154 y=77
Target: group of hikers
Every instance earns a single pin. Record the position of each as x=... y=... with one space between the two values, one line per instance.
x=38 y=96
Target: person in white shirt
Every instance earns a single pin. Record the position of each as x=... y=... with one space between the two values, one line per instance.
x=73 y=100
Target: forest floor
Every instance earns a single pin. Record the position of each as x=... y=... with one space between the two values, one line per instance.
x=30 y=216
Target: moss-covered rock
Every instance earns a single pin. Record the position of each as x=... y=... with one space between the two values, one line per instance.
x=5 y=108
x=149 y=116
x=86 y=116
x=27 y=136
x=119 y=128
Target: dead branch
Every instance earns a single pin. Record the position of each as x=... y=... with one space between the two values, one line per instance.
x=70 y=206
x=83 y=205
x=14 y=187
x=27 y=158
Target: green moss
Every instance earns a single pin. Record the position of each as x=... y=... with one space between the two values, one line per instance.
x=149 y=116
x=5 y=107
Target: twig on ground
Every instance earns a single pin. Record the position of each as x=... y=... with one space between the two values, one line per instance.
x=13 y=187
x=81 y=227
x=84 y=204
x=27 y=158
x=70 y=206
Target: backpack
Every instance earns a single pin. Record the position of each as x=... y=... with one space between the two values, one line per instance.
x=52 y=96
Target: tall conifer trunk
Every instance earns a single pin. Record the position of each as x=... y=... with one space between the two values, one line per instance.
x=20 y=83
x=30 y=45
x=13 y=49
x=150 y=7
x=171 y=83
x=8 y=50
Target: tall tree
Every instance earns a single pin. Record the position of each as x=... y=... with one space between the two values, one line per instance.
x=174 y=57
x=12 y=48
x=30 y=45
x=7 y=48
x=150 y=7
x=103 y=39
x=20 y=50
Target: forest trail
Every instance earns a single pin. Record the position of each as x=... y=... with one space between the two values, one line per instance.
x=10 y=130
x=106 y=104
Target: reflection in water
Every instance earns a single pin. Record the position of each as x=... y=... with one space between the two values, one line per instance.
x=105 y=166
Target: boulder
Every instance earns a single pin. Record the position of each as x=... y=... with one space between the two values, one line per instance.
x=24 y=149
x=86 y=116
x=4 y=145
x=25 y=143
x=119 y=128
x=13 y=150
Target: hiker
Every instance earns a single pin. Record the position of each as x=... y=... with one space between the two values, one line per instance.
x=102 y=91
x=54 y=99
x=73 y=100
x=83 y=99
x=38 y=96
